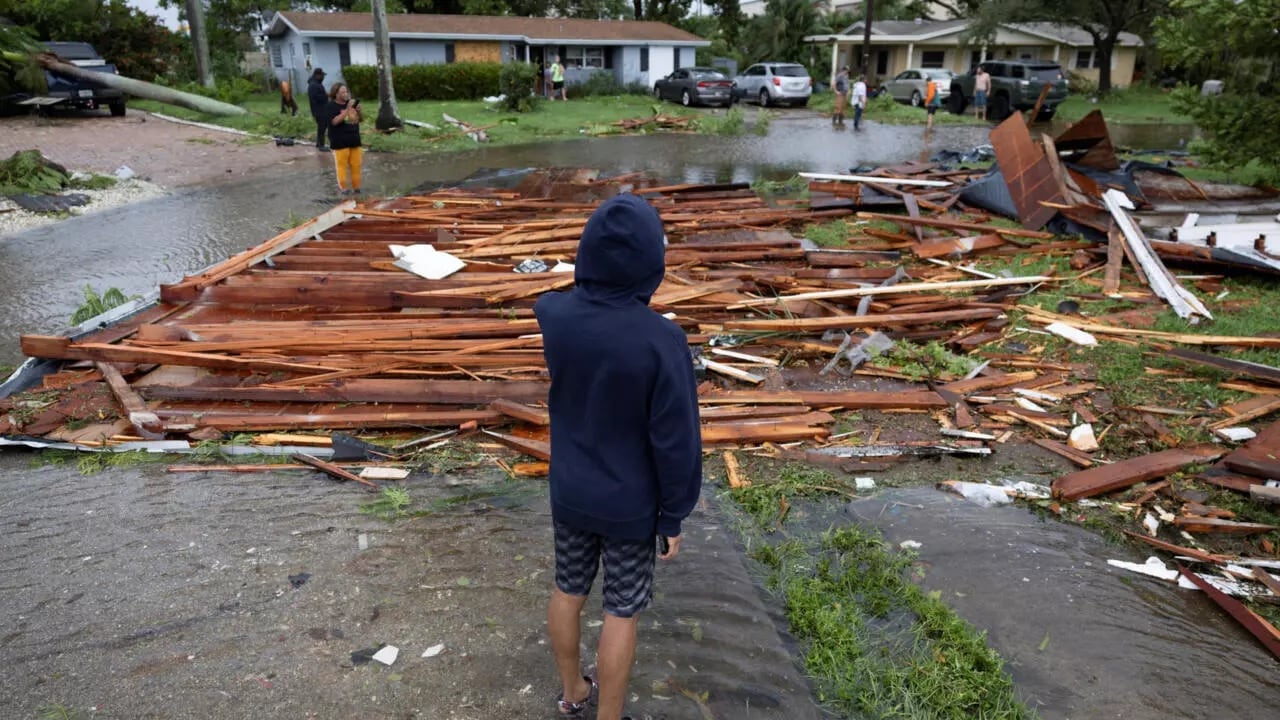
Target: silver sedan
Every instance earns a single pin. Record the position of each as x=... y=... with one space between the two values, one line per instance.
x=910 y=86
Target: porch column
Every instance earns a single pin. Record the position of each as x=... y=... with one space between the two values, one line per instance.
x=911 y=49
x=984 y=55
x=1056 y=48
x=527 y=57
x=835 y=60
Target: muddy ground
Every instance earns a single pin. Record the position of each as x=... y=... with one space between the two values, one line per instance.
x=165 y=153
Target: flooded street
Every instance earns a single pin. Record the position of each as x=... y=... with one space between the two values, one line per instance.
x=147 y=594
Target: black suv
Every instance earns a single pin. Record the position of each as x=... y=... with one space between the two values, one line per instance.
x=79 y=94
x=1015 y=85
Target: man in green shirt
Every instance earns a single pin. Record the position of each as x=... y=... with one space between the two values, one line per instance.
x=557 y=79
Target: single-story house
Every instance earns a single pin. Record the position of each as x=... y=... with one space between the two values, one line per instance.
x=900 y=44
x=633 y=51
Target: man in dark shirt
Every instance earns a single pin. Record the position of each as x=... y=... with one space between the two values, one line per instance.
x=626 y=448
x=319 y=99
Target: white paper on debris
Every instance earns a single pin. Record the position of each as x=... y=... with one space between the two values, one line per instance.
x=387 y=655
x=425 y=261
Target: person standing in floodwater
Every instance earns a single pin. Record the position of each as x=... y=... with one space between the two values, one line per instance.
x=626 y=446
x=841 y=86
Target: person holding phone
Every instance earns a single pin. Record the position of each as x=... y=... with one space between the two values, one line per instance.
x=626 y=443
x=343 y=116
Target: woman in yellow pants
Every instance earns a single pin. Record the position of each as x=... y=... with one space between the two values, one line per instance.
x=344 y=117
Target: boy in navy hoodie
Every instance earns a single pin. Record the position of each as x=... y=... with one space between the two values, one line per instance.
x=626 y=448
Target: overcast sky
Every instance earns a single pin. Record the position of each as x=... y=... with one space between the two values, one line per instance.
x=168 y=16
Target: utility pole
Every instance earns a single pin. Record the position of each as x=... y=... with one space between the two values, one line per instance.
x=866 y=39
x=199 y=41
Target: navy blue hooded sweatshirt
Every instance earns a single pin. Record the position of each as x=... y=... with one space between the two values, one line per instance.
x=626 y=447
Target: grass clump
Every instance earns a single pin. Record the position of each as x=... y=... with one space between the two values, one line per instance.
x=732 y=123
x=1133 y=106
x=834 y=234
x=932 y=360
x=768 y=501
x=878 y=645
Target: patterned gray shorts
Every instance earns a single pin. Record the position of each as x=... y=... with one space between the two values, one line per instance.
x=628 y=569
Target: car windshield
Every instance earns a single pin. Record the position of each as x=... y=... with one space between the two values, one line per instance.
x=1046 y=73
x=940 y=74
x=707 y=75
x=790 y=71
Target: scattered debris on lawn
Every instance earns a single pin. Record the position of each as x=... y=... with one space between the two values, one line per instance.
x=392 y=317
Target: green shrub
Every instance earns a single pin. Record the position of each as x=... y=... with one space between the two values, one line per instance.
x=1081 y=85
x=516 y=82
x=437 y=81
x=603 y=83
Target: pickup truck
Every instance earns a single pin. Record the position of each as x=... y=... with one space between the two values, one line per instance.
x=1015 y=85
x=77 y=94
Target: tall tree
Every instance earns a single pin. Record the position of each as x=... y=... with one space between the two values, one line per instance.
x=779 y=33
x=730 y=17
x=1234 y=42
x=388 y=111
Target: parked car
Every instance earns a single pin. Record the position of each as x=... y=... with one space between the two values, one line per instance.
x=774 y=83
x=912 y=86
x=695 y=86
x=1014 y=86
x=79 y=94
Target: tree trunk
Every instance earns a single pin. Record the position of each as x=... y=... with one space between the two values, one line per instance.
x=200 y=42
x=1105 y=48
x=138 y=88
x=866 y=39
x=388 y=112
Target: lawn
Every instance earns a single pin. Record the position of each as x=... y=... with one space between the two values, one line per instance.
x=550 y=120
x=1134 y=105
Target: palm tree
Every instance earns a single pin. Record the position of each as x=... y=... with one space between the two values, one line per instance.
x=388 y=111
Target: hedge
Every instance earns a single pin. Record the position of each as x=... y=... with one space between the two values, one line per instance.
x=441 y=81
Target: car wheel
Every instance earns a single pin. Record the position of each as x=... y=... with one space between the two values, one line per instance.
x=802 y=103
x=999 y=107
x=685 y=99
x=916 y=99
x=1046 y=114
x=764 y=98
x=117 y=109
x=955 y=101
x=657 y=92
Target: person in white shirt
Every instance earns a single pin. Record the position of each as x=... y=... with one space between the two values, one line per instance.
x=859 y=100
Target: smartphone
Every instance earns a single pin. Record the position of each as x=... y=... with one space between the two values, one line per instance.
x=356 y=103
x=663 y=546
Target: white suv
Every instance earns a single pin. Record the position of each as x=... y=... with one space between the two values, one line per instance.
x=774 y=83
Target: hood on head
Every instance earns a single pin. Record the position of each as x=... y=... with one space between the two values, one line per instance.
x=621 y=253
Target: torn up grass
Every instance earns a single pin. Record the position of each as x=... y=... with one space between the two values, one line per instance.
x=878 y=645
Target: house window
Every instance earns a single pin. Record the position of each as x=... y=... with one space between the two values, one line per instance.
x=584 y=57
x=644 y=59
x=1087 y=59
x=306 y=49
x=393 y=54
x=882 y=62
x=277 y=60
x=933 y=59
x=344 y=53
x=448 y=52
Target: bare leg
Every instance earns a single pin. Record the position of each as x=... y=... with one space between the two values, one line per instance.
x=563 y=615
x=617 y=652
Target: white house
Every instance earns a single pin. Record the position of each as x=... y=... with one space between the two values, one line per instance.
x=633 y=51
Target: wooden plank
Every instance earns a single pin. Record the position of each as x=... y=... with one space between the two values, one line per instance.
x=1123 y=474
x=1265 y=494
x=1256 y=371
x=848 y=322
x=58 y=348
x=140 y=416
x=733 y=471
x=956 y=246
x=1183 y=301
x=520 y=411
x=1115 y=261
x=540 y=449
x=333 y=470
x=1066 y=451
x=1264 y=631
x=358 y=418
x=1178 y=549
x=844 y=399
x=1219 y=525
x=1026 y=172
x=945 y=224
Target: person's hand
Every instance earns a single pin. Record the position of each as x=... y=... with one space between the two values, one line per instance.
x=673 y=547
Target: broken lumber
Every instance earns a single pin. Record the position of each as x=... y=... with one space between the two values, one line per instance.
x=1117 y=476
x=333 y=470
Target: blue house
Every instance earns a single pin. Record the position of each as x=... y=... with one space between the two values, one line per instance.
x=632 y=51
